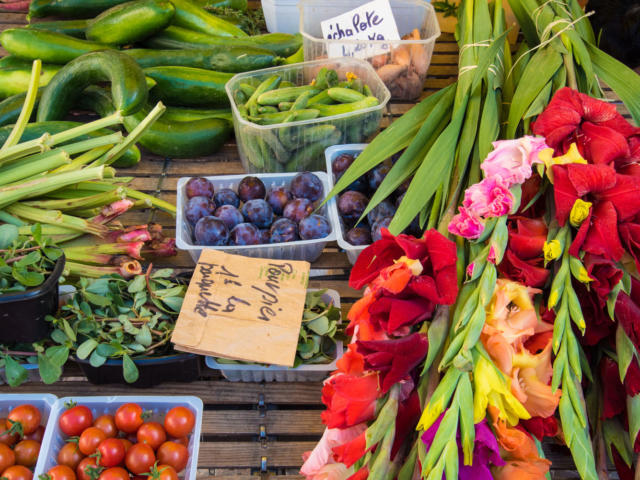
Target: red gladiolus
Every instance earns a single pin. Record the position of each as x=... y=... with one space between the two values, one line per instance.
x=630 y=237
x=408 y=415
x=599 y=324
x=625 y=472
x=350 y=452
x=361 y=474
x=605 y=276
x=349 y=399
x=614 y=396
x=541 y=427
x=523 y=259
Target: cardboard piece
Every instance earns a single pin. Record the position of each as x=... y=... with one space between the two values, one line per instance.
x=243 y=308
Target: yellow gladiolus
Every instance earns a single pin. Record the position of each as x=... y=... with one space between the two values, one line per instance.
x=572 y=156
x=579 y=212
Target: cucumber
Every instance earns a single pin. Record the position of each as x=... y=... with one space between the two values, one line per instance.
x=330 y=110
x=345 y=95
x=11 y=107
x=194 y=17
x=128 y=84
x=180 y=114
x=70 y=8
x=216 y=57
x=240 y=5
x=50 y=47
x=282 y=44
x=130 y=22
x=189 y=87
x=35 y=130
x=74 y=28
x=281 y=117
x=16 y=80
x=286 y=94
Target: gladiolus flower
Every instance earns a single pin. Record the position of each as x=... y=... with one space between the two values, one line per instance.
x=511 y=160
x=466 y=224
x=316 y=463
x=350 y=399
x=523 y=259
x=552 y=250
x=572 y=156
x=579 y=212
x=489 y=198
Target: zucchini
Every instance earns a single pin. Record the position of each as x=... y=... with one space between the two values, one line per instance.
x=189 y=87
x=181 y=114
x=74 y=28
x=16 y=80
x=50 y=47
x=240 y=5
x=282 y=44
x=194 y=17
x=130 y=22
x=216 y=57
x=11 y=107
x=70 y=8
x=35 y=130
x=128 y=84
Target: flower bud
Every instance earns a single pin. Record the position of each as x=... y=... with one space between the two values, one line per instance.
x=579 y=212
x=552 y=250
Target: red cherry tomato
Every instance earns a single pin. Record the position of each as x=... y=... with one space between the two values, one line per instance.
x=90 y=439
x=115 y=473
x=151 y=433
x=140 y=458
x=61 y=472
x=75 y=420
x=36 y=435
x=129 y=417
x=27 y=453
x=27 y=416
x=163 y=472
x=182 y=441
x=85 y=468
x=111 y=452
x=179 y=421
x=174 y=454
x=107 y=424
x=17 y=472
x=127 y=444
x=70 y=455
x=7 y=439
x=7 y=457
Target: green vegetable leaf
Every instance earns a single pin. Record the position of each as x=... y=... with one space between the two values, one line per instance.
x=96 y=360
x=144 y=336
x=8 y=235
x=320 y=325
x=26 y=277
x=138 y=284
x=14 y=372
x=129 y=369
x=85 y=348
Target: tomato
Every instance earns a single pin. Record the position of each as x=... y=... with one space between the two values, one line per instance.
x=61 y=472
x=179 y=421
x=70 y=455
x=17 y=472
x=127 y=444
x=115 y=473
x=4 y=436
x=90 y=439
x=7 y=457
x=86 y=465
x=107 y=424
x=163 y=472
x=129 y=417
x=27 y=416
x=140 y=458
x=75 y=420
x=111 y=452
x=151 y=433
x=182 y=441
x=37 y=434
x=174 y=454
x=27 y=453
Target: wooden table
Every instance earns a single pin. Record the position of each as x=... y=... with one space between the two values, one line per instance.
x=252 y=429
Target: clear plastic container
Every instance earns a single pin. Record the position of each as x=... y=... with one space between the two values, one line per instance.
x=54 y=439
x=42 y=401
x=276 y=373
x=353 y=251
x=404 y=68
x=308 y=250
x=281 y=16
x=255 y=142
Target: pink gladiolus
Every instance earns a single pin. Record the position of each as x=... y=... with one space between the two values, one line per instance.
x=511 y=160
x=322 y=455
x=466 y=224
x=489 y=198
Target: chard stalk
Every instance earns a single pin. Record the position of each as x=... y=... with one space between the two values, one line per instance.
x=108 y=121
x=132 y=249
x=37 y=145
x=84 y=159
x=131 y=193
x=27 y=108
x=6 y=218
x=83 y=256
x=127 y=269
x=16 y=173
x=55 y=217
x=98 y=200
x=47 y=230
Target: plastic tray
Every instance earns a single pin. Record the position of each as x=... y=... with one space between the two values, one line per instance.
x=54 y=439
x=353 y=251
x=253 y=139
x=308 y=250
x=22 y=314
x=275 y=373
x=42 y=401
x=182 y=367
x=408 y=14
x=281 y=15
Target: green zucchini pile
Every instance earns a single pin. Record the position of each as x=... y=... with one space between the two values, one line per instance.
x=173 y=51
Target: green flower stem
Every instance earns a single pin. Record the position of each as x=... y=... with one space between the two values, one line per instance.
x=37 y=145
x=97 y=200
x=47 y=230
x=84 y=159
x=62 y=137
x=131 y=193
x=16 y=173
x=27 y=108
x=82 y=256
x=55 y=217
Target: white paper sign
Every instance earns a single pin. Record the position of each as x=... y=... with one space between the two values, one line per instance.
x=370 y=21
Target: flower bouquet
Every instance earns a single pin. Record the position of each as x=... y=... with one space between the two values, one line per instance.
x=465 y=355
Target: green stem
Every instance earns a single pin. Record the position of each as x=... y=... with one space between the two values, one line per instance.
x=21 y=172
x=5 y=217
x=108 y=121
x=27 y=108
x=99 y=200
x=55 y=217
x=84 y=159
x=37 y=145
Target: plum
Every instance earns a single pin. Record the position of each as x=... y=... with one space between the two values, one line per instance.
x=265 y=234
x=198 y=207
x=306 y=185
x=199 y=187
x=258 y=212
x=226 y=196
x=378 y=174
x=358 y=236
x=382 y=210
x=314 y=226
x=376 y=229
x=283 y=230
x=278 y=197
x=245 y=234
x=351 y=205
x=251 y=188
x=211 y=231
x=229 y=215
x=341 y=163
x=297 y=209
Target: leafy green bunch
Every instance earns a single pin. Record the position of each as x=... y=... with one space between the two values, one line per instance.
x=319 y=331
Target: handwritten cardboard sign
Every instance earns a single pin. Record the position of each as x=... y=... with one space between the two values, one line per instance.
x=243 y=308
x=370 y=21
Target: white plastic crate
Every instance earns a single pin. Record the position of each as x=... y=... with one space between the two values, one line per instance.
x=308 y=250
x=54 y=439
x=281 y=16
x=275 y=373
x=42 y=401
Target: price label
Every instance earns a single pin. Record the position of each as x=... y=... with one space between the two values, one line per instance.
x=370 y=21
